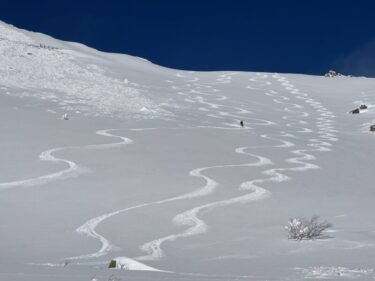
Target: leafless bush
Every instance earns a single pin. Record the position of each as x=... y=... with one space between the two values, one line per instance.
x=306 y=229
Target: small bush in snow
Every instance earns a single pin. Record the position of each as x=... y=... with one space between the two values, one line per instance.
x=306 y=229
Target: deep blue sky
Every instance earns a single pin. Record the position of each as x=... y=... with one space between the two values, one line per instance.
x=298 y=36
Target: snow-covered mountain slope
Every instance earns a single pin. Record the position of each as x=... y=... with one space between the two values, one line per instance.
x=75 y=77
x=153 y=169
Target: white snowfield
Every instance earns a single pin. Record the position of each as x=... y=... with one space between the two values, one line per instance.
x=153 y=169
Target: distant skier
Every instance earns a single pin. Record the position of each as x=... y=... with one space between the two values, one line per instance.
x=241 y=123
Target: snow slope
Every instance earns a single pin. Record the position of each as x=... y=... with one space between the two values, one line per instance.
x=153 y=167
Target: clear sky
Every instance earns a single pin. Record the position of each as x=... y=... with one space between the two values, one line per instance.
x=299 y=36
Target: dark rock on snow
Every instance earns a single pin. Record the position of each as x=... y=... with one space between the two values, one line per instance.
x=355 y=111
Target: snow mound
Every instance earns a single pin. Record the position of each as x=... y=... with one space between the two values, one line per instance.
x=130 y=264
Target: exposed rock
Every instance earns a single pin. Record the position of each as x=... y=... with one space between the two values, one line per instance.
x=333 y=73
x=355 y=111
x=112 y=264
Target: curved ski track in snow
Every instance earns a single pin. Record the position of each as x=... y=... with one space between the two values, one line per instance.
x=190 y=217
x=324 y=123
x=73 y=169
x=198 y=226
x=217 y=110
x=89 y=227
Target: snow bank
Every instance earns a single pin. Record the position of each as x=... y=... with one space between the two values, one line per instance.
x=130 y=264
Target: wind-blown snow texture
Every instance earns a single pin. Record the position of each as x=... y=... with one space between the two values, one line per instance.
x=154 y=170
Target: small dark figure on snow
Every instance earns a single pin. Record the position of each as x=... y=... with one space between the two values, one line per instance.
x=241 y=123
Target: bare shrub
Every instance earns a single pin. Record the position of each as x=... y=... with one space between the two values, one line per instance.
x=306 y=229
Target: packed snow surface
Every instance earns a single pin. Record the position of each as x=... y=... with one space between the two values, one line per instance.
x=108 y=156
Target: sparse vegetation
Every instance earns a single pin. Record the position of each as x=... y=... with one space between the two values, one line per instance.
x=306 y=229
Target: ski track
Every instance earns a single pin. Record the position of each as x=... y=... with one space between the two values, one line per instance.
x=324 y=122
x=73 y=169
x=198 y=226
x=89 y=227
x=190 y=217
x=323 y=137
x=217 y=110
